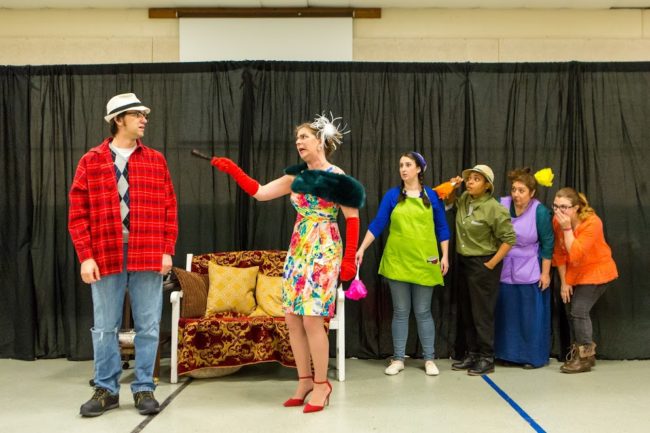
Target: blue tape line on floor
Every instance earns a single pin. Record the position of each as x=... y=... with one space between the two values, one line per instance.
x=514 y=405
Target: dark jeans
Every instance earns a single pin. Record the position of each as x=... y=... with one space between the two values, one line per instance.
x=477 y=297
x=583 y=299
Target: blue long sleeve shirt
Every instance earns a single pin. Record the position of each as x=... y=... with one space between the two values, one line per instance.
x=388 y=203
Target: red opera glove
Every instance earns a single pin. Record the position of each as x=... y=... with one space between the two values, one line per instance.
x=245 y=182
x=348 y=266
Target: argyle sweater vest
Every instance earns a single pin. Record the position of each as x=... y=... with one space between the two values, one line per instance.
x=120 y=163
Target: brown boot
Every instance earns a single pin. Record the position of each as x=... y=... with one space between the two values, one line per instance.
x=573 y=352
x=578 y=360
x=592 y=358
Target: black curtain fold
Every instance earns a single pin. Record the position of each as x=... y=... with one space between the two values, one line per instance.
x=17 y=309
x=585 y=120
x=611 y=155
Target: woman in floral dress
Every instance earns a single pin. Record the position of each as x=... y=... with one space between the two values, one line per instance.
x=312 y=267
x=315 y=262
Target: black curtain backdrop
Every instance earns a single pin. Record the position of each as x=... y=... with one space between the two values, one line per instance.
x=585 y=120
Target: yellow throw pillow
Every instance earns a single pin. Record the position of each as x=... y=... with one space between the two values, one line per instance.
x=231 y=289
x=259 y=312
x=268 y=294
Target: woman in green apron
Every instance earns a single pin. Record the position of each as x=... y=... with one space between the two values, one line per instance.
x=411 y=262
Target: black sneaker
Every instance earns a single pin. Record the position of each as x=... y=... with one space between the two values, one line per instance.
x=101 y=401
x=483 y=366
x=466 y=363
x=146 y=403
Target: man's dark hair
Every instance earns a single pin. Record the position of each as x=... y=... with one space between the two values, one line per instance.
x=114 y=123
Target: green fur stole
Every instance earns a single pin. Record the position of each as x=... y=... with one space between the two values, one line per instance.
x=338 y=188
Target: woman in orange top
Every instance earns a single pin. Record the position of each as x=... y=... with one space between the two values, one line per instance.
x=584 y=262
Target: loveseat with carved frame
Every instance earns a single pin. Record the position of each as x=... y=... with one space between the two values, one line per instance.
x=230 y=340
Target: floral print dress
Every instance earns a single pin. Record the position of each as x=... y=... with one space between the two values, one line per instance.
x=311 y=269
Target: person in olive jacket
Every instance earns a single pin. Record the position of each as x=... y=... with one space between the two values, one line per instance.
x=484 y=235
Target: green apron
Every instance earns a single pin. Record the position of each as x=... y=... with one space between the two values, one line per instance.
x=411 y=252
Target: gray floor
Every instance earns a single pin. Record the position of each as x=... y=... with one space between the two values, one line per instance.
x=45 y=395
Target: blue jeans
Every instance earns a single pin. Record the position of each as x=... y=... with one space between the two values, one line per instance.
x=145 y=292
x=405 y=294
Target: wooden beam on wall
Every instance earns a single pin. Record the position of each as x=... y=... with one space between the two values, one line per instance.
x=265 y=13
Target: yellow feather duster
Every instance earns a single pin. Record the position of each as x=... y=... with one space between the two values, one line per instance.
x=545 y=177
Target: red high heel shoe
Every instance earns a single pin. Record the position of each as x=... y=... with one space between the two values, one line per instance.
x=292 y=402
x=309 y=408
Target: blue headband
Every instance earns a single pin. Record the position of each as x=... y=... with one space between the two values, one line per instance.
x=421 y=160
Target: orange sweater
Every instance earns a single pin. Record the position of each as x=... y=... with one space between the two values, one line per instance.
x=590 y=259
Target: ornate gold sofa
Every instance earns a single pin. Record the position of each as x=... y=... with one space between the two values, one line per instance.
x=227 y=341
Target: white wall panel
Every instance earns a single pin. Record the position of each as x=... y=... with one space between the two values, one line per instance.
x=303 y=39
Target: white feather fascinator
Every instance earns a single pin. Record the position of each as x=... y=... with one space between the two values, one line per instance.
x=330 y=129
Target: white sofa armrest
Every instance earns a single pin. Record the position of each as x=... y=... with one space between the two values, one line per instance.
x=175 y=299
x=338 y=322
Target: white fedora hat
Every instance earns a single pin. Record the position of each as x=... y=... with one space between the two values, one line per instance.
x=121 y=103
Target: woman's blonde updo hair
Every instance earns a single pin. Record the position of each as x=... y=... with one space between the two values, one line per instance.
x=330 y=143
x=577 y=199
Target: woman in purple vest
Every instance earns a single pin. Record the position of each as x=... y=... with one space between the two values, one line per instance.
x=523 y=313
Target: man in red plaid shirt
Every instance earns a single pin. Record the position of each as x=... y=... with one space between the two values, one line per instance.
x=123 y=225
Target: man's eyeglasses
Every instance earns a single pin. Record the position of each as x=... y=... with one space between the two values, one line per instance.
x=138 y=114
x=562 y=207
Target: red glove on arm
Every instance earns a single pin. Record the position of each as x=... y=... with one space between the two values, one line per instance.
x=348 y=266
x=245 y=182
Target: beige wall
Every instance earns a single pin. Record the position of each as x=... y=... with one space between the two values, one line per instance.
x=517 y=35
x=86 y=36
